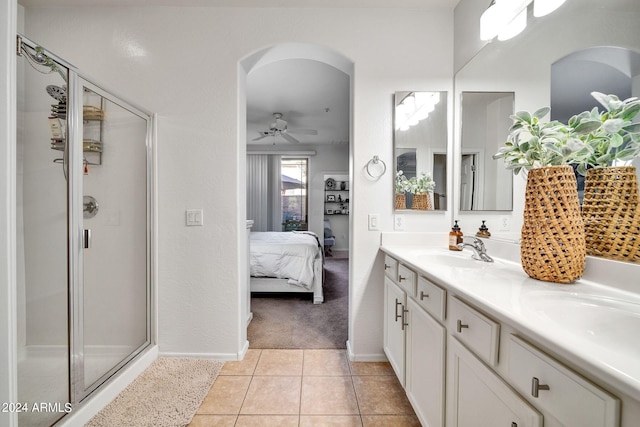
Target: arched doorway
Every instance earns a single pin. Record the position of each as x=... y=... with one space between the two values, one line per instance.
x=308 y=88
x=606 y=69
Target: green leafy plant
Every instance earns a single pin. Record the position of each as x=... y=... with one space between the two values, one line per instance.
x=402 y=184
x=616 y=138
x=422 y=184
x=532 y=143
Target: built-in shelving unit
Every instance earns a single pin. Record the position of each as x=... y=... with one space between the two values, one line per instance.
x=336 y=197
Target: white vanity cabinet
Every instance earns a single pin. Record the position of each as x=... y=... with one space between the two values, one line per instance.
x=444 y=343
x=555 y=389
x=478 y=397
x=395 y=301
x=414 y=341
x=425 y=365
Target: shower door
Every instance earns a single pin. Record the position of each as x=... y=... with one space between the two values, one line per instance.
x=83 y=234
x=113 y=293
x=41 y=230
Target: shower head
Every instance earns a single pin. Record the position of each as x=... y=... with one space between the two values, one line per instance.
x=58 y=93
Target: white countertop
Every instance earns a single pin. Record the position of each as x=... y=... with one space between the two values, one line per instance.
x=594 y=327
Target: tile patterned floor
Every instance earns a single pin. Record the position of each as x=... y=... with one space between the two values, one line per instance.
x=305 y=388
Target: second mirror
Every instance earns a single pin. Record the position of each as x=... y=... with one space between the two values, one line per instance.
x=485 y=184
x=420 y=150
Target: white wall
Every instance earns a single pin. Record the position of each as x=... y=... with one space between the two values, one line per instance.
x=183 y=64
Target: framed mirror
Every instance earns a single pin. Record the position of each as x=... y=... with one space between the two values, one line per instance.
x=485 y=184
x=420 y=151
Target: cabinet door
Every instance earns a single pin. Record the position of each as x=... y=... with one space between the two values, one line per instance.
x=425 y=366
x=478 y=397
x=395 y=301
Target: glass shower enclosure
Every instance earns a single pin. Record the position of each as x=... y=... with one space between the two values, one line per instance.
x=84 y=234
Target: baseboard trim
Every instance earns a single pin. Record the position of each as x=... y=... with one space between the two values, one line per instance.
x=372 y=357
x=223 y=357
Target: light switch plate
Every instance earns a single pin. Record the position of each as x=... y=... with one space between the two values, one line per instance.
x=374 y=222
x=194 y=217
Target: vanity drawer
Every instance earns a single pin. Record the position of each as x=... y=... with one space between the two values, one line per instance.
x=407 y=279
x=474 y=329
x=432 y=297
x=552 y=387
x=391 y=268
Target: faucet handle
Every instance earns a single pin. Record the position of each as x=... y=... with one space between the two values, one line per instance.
x=478 y=243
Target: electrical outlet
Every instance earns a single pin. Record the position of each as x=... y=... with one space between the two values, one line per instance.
x=398 y=222
x=505 y=223
x=194 y=217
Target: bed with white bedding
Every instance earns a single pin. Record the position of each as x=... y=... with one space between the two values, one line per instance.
x=286 y=262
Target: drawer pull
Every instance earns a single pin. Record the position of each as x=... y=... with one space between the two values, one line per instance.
x=398 y=315
x=536 y=386
x=400 y=278
x=514 y=424
x=404 y=318
x=387 y=266
x=423 y=295
x=461 y=326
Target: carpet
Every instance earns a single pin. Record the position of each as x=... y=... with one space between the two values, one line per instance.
x=167 y=393
x=292 y=321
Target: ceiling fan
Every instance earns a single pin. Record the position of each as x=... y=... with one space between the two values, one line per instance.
x=279 y=128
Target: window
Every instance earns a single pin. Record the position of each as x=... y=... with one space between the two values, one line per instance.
x=293 y=187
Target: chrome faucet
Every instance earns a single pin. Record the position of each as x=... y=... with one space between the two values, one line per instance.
x=478 y=248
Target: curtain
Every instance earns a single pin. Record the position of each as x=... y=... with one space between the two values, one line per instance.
x=263 y=192
x=258 y=191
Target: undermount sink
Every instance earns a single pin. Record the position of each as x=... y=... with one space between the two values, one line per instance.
x=453 y=259
x=610 y=321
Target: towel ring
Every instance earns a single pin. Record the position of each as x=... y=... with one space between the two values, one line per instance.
x=378 y=170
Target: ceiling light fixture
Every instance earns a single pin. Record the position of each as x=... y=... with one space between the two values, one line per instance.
x=508 y=18
x=545 y=7
x=515 y=27
x=415 y=107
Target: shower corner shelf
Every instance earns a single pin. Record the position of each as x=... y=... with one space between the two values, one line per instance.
x=91 y=147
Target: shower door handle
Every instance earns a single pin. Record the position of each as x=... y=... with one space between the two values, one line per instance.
x=86 y=238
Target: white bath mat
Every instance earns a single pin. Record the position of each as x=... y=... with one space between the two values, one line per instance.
x=167 y=393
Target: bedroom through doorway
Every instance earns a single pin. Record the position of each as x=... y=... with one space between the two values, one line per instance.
x=298 y=132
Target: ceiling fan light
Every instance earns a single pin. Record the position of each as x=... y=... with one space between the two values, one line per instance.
x=515 y=27
x=545 y=7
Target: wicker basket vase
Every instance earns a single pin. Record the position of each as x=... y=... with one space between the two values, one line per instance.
x=421 y=201
x=610 y=211
x=401 y=201
x=553 y=243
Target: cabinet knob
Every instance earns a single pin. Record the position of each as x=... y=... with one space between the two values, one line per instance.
x=386 y=267
x=460 y=326
x=536 y=386
x=400 y=278
x=423 y=295
x=514 y=424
